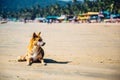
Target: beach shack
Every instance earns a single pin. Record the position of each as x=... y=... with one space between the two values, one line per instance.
x=93 y=16
x=82 y=17
x=88 y=17
x=108 y=17
x=40 y=19
x=113 y=18
x=69 y=18
x=61 y=18
x=116 y=17
x=51 y=19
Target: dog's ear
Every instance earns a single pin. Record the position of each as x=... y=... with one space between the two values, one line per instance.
x=34 y=35
x=39 y=33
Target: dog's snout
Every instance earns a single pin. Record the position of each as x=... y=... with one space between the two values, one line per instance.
x=43 y=43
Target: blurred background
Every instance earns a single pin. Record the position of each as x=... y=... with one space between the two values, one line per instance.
x=79 y=11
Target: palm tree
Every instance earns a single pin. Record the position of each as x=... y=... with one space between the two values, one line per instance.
x=74 y=1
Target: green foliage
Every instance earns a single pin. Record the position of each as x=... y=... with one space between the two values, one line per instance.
x=69 y=9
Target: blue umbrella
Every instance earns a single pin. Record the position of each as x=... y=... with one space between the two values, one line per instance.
x=52 y=17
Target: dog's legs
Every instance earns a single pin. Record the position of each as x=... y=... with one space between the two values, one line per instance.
x=42 y=62
x=29 y=61
x=41 y=59
x=21 y=58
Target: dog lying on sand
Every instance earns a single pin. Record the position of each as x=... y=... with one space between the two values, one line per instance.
x=34 y=50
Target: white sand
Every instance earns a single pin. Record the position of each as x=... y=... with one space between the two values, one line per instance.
x=72 y=51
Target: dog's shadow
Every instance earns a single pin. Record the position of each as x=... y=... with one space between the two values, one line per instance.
x=56 y=62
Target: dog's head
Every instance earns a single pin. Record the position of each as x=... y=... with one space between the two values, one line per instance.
x=37 y=40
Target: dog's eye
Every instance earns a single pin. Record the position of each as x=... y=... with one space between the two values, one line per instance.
x=40 y=40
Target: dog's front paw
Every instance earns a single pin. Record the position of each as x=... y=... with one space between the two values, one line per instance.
x=29 y=64
x=45 y=64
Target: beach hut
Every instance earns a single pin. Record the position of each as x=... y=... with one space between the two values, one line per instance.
x=93 y=16
x=83 y=17
x=12 y=19
x=61 y=18
x=87 y=15
x=40 y=19
x=114 y=18
x=51 y=19
x=92 y=13
x=106 y=14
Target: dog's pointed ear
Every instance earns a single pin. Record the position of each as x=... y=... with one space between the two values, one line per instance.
x=39 y=33
x=34 y=35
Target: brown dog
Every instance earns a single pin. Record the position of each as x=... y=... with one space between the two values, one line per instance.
x=34 y=50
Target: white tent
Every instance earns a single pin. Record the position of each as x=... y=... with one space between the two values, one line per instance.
x=62 y=17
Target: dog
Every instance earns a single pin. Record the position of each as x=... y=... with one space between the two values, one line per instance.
x=35 y=51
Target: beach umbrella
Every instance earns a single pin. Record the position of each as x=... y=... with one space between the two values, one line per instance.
x=106 y=12
x=52 y=17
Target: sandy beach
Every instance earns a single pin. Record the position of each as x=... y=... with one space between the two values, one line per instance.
x=72 y=51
